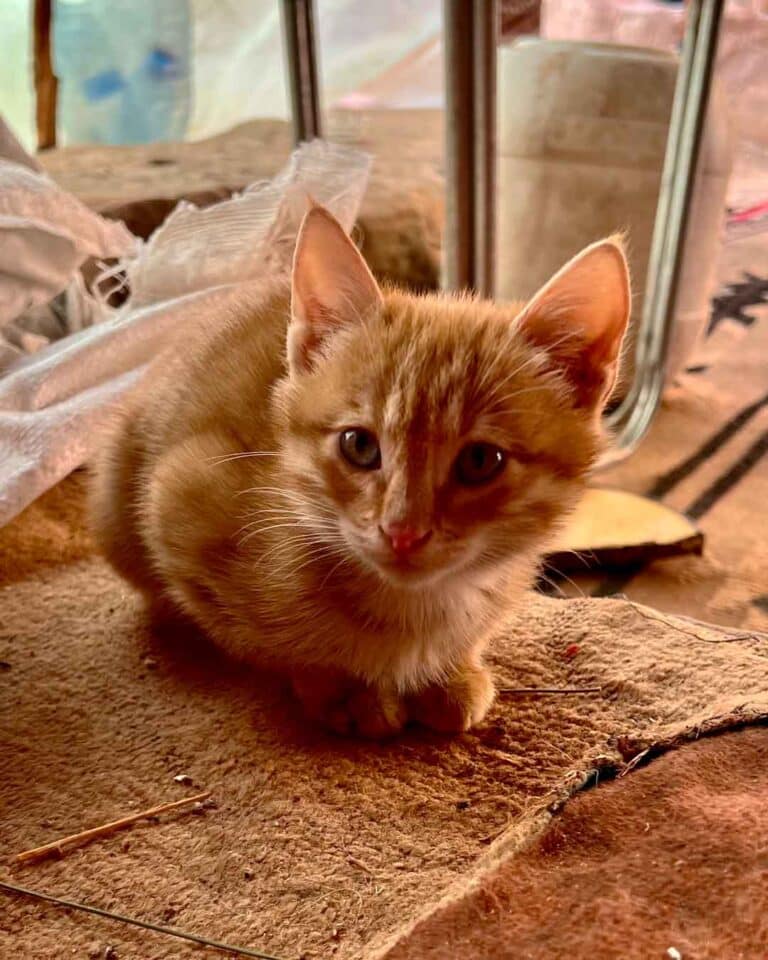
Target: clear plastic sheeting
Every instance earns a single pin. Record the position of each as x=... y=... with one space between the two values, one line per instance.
x=740 y=72
x=196 y=265
x=250 y=233
x=46 y=234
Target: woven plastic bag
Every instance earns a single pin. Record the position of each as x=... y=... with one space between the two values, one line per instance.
x=53 y=402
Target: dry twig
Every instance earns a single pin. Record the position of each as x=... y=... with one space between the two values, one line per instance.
x=731 y=637
x=530 y=691
x=12 y=888
x=631 y=764
x=56 y=847
x=355 y=862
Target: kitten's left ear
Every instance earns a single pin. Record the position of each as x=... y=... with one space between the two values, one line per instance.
x=331 y=286
x=580 y=317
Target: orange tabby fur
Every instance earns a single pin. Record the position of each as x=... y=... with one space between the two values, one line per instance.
x=222 y=492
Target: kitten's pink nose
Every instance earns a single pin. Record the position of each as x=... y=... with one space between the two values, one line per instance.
x=404 y=538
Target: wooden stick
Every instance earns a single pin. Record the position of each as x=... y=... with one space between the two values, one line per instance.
x=731 y=635
x=133 y=921
x=530 y=691
x=360 y=865
x=46 y=84
x=56 y=846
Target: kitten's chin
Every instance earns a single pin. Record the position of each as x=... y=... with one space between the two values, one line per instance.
x=411 y=578
x=407 y=574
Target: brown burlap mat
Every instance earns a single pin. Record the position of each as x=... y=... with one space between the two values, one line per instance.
x=669 y=862
x=316 y=846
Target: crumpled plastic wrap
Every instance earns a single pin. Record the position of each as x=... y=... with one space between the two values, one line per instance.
x=53 y=402
x=46 y=234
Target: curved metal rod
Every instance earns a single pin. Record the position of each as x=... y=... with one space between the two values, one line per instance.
x=470 y=56
x=631 y=420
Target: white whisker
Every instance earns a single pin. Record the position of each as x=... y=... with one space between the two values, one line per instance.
x=227 y=457
x=308 y=556
x=334 y=568
x=259 y=530
x=498 y=401
x=282 y=544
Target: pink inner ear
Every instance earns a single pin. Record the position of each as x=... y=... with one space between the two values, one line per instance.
x=331 y=286
x=580 y=317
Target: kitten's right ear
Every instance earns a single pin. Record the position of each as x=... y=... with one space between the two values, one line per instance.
x=580 y=317
x=331 y=287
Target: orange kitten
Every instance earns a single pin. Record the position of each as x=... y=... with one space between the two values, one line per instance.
x=359 y=494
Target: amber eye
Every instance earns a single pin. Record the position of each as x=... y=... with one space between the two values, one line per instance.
x=360 y=448
x=479 y=463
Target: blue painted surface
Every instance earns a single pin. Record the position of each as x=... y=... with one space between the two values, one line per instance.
x=103 y=84
x=124 y=70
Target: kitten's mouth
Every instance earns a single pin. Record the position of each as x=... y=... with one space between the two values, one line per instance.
x=414 y=570
x=399 y=570
x=400 y=566
x=407 y=575
x=408 y=571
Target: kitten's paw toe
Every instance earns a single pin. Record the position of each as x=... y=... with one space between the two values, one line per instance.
x=456 y=705
x=350 y=708
x=375 y=714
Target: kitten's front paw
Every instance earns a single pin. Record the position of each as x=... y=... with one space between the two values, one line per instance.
x=368 y=712
x=456 y=705
x=350 y=707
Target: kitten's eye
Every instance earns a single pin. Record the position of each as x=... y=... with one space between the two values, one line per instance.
x=479 y=463
x=360 y=448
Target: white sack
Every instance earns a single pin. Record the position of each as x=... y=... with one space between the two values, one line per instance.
x=45 y=233
x=53 y=402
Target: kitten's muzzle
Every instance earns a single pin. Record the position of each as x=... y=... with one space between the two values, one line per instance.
x=404 y=539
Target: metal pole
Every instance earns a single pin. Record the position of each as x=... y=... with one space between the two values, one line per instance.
x=470 y=84
x=298 y=18
x=485 y=21
x=459 y=159
x=633 y=417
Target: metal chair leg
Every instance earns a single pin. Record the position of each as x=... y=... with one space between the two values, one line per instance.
x=470 y=72
x=470 y=31
x=298 y=18
x=470 y=64
x=632 y=418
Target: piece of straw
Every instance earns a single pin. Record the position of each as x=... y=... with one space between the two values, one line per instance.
x=133 y=921
x=56 y=847
x=547 y=691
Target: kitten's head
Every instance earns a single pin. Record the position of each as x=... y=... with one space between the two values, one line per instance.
x=434 y=436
